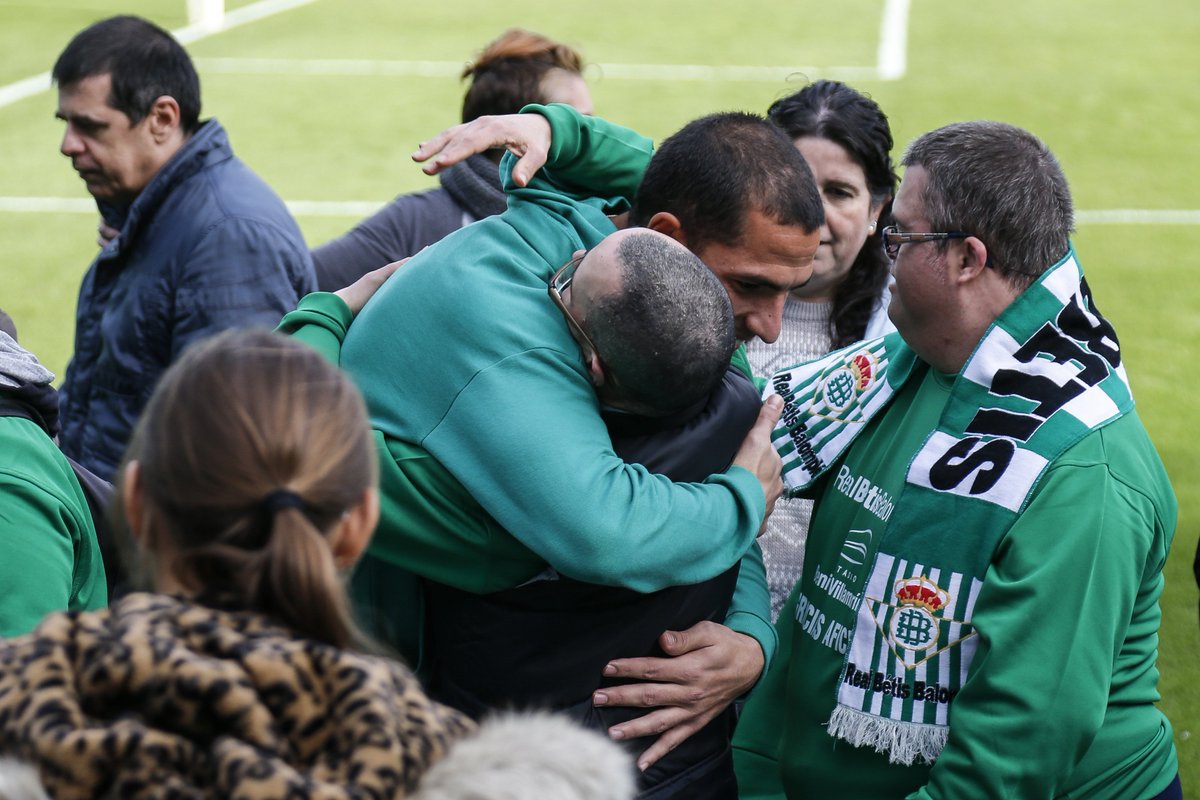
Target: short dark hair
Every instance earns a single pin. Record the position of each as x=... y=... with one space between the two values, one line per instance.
x=834 y=111
x=667 y=335
x=144 y=61
x=1002 y=184
x=507 y=74
x=717 y=169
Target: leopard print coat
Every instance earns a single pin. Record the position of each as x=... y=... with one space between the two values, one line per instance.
x=158 y=697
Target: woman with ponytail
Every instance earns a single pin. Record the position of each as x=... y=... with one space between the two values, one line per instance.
x=248 y=490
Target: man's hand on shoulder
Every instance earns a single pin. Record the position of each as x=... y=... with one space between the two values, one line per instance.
x=525 y=135
x=707 y=668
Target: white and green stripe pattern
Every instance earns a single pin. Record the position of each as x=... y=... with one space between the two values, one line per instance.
x=824 y=409
x=921 y=679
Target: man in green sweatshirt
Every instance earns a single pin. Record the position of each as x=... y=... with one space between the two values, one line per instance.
x=978 y=614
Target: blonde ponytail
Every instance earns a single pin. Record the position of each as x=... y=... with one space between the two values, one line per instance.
x=300 y=584
x=251 y=450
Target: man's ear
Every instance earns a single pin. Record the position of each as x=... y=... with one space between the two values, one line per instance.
x=353 y=532
x=163 y=119
x=971 y=259
x=667 y=223
x=595 y=367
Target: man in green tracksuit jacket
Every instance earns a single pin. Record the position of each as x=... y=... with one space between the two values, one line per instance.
x=51 y=557
x=491 y=425
x=977 y=615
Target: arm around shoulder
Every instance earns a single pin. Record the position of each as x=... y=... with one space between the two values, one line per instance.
x=591 y=155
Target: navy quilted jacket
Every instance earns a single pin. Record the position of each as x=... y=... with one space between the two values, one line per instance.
x=206 y=246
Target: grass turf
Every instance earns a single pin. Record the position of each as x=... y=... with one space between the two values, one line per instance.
x=1111 y=86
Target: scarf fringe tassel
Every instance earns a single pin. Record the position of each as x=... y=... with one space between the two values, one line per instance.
x=902 y=742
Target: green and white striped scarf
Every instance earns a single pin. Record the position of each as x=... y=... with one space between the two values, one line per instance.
x=1046 y=373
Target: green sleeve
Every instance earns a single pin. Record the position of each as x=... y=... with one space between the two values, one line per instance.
x=589 y=156
x=750 y=611
x=757 y=737
x=38 y=568
x=1052 y=616
x=593 y=517
x=320 y=321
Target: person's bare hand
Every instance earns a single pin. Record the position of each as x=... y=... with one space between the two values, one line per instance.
x=525 y=135
x=358 y=293
x=708 y=667
x=105 y=233
x=758 y=455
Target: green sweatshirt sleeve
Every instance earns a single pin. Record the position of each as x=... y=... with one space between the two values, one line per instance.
x=758 y=734
x=320 y=321
x=552 y=479
x=589 y=156
x=1054 y=616
x=36 y=570
x=750 y=611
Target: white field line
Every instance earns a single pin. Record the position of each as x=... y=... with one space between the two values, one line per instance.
x=28 y=87
x=83 y=205
x=452 y=69
x=359 y=208
x=238 y=17
x=1137 y=216
x=892 y=57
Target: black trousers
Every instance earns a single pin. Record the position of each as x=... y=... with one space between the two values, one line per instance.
x=1172 y=792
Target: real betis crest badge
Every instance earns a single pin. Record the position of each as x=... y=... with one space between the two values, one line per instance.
x=921 y=612
x=915 y=623
x=841 y=387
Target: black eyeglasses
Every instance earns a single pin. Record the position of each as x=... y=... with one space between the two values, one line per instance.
x=892 y=239
x=559 y=283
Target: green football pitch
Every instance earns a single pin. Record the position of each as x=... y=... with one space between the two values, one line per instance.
x=327 y=98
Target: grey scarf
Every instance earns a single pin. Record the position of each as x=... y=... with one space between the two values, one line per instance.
x=18 y=366
x=475 y=185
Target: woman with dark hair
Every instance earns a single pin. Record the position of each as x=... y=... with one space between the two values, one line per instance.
x=845 y=138
x=518 y=68
x=249 y=488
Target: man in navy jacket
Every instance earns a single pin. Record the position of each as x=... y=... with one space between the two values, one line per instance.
x=202 y=243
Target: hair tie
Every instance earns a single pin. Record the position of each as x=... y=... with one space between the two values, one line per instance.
x=280 y=499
